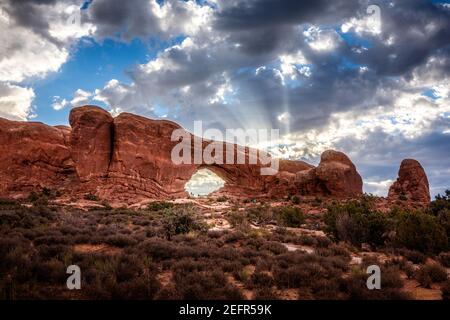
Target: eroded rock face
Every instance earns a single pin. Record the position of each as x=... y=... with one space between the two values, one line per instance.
x=411 y=184
x=91 y=141
x=141 y=159
x=128 y=158
x=335 y=176
x=33 y=155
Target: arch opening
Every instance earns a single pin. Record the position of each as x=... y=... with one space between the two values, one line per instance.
x=203 y=183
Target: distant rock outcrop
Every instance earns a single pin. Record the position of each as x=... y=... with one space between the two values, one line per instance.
x=411 y=185
x=128 y=158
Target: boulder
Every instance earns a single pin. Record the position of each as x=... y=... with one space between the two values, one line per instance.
x=335 y=176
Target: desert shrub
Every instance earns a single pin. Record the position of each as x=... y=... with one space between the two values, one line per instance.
x=355 y=286
x=326 y=289
x=168 y=293
x=128 y=267
x=445 y=289
x=297 y=276
x=52 y=271
x=290 y=217
x=274 y=247
x=420 y=231
x=261 y=280
x=180 y=220
x=295 y=199
x=158 y=249
x=357 y=223
x=56 y=251
x=237 y=219
x=38 y=199
x=208 y=285
x=423 y=278
x=8 y=203
x=261 y=214
x=91 y=197
x=430 y=273
x=444 y=258
x=265 y=293
x=120 y=240
x=409 y=269
x=441 y=203
x=140 y=288
x=297 y=270
x=443 y=219
x=232 y=266
x=159 y=205
x=221 y=199
x=414 y=256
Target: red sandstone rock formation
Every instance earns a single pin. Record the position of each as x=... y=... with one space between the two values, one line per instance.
x=33 y=155
x=335 y=176
x=129 y=158
x=411 y=184
x=90 y=141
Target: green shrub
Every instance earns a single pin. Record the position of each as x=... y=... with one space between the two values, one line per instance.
x=435 y=272
x=261 y=214
x=180 y=221
x=91 y=197
x=420 y=231
x=290 y=217
x=440 y=203
x=357 y=223
x=159 y=205
x=295 y=199
x=221 y=199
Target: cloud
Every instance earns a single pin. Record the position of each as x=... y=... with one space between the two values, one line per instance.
x=15 y=101
x=379 y=188
x=80 y=98
x=325 y=73
x=204 y=182
x=59 y=103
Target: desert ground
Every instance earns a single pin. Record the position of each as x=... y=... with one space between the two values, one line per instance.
x=223 y=248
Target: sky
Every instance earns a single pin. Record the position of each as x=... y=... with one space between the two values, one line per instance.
x=369 y=78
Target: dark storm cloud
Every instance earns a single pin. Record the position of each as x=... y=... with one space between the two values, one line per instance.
x=29 y=14
x=419 y=29
x=254 y=14
x=123 y=19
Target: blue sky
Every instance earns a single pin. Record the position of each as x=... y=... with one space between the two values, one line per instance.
x=369 y=81
x=91 y=65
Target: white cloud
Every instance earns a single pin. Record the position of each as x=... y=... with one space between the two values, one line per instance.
x=379 y=188
x=15 y=101
x=321 y=40
x=204 y=182
x=291 y=65
x=80 y=98
x=368 y=24
x=59 y=103
x=24 y=54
